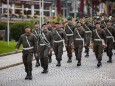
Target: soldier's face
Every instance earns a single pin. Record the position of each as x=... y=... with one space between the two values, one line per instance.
x=45 y=28
x=57 y=26
x=49 y=25
x=69 y=21
x=78 y=24
x=27 y=30
x=98 y=26
x=109 y=23
x=36 y=25
x=86 y=20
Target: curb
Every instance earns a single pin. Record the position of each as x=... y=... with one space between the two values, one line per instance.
x=5 y=54
x=16 y=64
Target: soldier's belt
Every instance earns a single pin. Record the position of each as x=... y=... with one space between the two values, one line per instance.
x=109 y=37
x=42 y=44
x=79 y=39
x=58 y=41
x=97 y=39
x=28 y=48
x=87 y=31
x=69 y=34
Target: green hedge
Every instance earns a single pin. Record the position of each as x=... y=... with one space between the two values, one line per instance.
x=3 y=26
x=17 y=29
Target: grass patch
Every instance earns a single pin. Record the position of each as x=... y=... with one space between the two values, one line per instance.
x=4 y=48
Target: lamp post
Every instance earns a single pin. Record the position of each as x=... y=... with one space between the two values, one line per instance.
x=8 y=22
x=26 y=11
x=53 y=12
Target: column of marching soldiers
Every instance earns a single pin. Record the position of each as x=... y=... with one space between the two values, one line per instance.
x=99 y=33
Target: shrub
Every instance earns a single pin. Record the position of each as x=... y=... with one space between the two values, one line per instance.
x=17 y=29
x=3 y=26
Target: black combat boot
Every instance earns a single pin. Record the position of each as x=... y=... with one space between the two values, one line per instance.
x=58 y=64
x=50 y=60
x=45 y=70
x=37 y=64
x=30 y=75
x=79 y=63
x=110 y=60
x=99 y=63
x=69 y=60
x=27 y=76
x=87 y=55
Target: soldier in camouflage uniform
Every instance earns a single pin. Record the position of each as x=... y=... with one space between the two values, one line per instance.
x=88 y=27
x=110 y=35
x=99 y=41
x=36 y=31
x=59 y=36
x=29 y=43
x=50 y=28
x=79 y=41
x=69 y=29
x=46 y=45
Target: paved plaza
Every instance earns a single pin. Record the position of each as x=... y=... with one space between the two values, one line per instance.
x=66 y=75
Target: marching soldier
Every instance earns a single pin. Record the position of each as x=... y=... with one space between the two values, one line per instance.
x=88 y=27
x=69 y=29
x=50 y=28
x=36 y=31
x=99 y=41
x=110 y=35
x=79 y=36
x=46 y=45
x=59 y=36
x=29 y=43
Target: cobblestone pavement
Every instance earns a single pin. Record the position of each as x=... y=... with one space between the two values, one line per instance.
x=66 y=75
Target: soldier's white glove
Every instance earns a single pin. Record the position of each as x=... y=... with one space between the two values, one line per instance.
x=16 y=51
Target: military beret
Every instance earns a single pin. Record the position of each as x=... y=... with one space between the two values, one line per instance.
x=99 y=18
x=27 y=26
x=97 y=23
x=78 y=22
x=48 y=22
x=113 y=15
x=105 y=15
x=43 y=25
x=36 y=23
x=57 y=23
x=108 y=21
x=86 y=17
x=69 y=18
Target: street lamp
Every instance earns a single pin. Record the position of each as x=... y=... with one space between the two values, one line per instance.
x=8 y=22
x=53 y=12
x=26 y=11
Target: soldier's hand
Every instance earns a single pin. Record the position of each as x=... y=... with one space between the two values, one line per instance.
x=105 y=45
x=51 y=49
x=16 y=51
x=72 y=44
x=65 y=45
x=36 y=54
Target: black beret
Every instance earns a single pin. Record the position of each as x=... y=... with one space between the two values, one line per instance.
x=43 y=25
x=69 y=18
x=36 y=23
x=27 y=26
x=57 y=23
x=108 y=21
x=86 y=17
x=78 y=22
x=113 y=15
x=97 y=23
x=48 y=22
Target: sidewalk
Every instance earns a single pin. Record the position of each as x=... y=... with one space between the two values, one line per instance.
x=11 y=60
